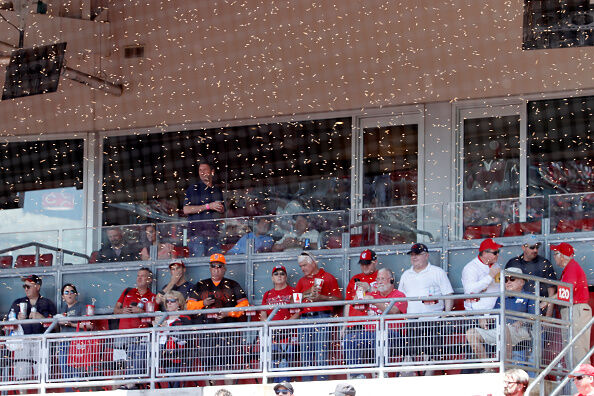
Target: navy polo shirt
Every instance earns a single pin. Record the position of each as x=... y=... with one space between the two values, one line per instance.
x=201 y=194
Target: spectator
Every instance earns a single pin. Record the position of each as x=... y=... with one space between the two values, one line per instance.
x=134 y=301
x=160 y=251
x=178 y=282
x=283 y=340
x=118 y=249
x=174 y=347
x=355 y=340
x=262 y=241
x=516 y=331
x=344 y=390
x=531 y=263
x=300 y=238
x=385 y=289
x=581 y=311
x=203 y=201
x=37 y=307
x=71 y=307
x=316 y=285
x=583 y=379
x=219 y=349
x=283 y=388
x=423 y=279
x=515 y=382
x=479 y=275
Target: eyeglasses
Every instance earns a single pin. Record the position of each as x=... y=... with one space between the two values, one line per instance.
x=171 y=300
x=510 y=279
x=67 y=292
x=217 y=265
x=282 y=392
x=495 y=252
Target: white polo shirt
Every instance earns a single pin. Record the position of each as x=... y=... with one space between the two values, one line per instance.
x=430 y=281
x=476 y=279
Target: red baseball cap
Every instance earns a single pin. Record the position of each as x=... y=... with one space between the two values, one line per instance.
x=367 y=256
x=218 y=258
x=583 y=369
x=279 y=268
x=564 y=248
x=489 y=244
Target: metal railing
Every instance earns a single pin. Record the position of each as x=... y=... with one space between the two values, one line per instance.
x=269 y=349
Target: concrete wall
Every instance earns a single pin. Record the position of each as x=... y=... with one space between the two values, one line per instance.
x=212 y=60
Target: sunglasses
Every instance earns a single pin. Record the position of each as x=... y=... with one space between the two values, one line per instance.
x=27 y=287
x=280 y=273
x=282 y=392
x=495 y=252
x=67 y=292
x=217 y=265
x=510 y=279
x=533 y=247
x=171 y=300
x=579 y=377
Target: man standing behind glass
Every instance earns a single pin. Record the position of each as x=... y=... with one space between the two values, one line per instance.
x=203 y=201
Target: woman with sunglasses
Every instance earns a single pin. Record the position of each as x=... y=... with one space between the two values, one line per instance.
x=70 y=307
x=174 y=347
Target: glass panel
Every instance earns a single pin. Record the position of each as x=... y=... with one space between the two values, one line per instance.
x=571 y=212
x=41 y=187
x=491 y=158
x=104 y=288
x=309 y=231
x=561 y=146
x=104 y=244
x=500 y=217
x=12 y=288
x=261 y=170
x=19 y=249
x=392 y=226
x=390 y=166
x=262 y=273
x=558 y=24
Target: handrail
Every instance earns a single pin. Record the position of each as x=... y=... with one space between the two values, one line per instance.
x=560 y=356
x=44 y=246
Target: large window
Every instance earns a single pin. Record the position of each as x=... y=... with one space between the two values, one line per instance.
x=41 y=189
x=261 y=169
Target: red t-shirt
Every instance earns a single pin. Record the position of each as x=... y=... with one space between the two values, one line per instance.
x=329 y=288
x=401 y=305
x=573 y=273
x=132 y=296
x=351 y=294
x=279 y=297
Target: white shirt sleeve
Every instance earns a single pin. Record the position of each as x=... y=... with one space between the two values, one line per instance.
x=472 y=281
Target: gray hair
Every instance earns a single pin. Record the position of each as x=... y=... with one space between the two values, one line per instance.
x=519 y=376
x=386 y=270
x=223 y=392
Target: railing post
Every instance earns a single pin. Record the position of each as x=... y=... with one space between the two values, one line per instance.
x=153 y=356
x=43 y=365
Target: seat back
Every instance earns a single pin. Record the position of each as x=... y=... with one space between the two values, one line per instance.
x=479 y=232
x=28 y=260
x=5 y=261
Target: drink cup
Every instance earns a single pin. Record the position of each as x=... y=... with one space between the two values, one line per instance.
x=297 y=297
x=23 y=307
x=319 y=282
x=90 y=310
x=150 y=306
x=360 y=293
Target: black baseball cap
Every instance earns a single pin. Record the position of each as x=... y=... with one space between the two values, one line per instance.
x=32 y=278
x=418 y=248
